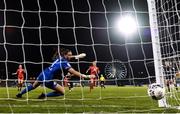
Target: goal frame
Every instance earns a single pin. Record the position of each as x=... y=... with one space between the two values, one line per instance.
x=156 y=48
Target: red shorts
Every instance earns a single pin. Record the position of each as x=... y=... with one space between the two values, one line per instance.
x=20 y=79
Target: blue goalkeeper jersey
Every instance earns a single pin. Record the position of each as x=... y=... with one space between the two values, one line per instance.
x=59 y=64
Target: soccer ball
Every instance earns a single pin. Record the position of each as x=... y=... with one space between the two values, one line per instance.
x=156 y=91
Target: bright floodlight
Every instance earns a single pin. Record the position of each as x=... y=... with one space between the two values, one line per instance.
x=126 y=25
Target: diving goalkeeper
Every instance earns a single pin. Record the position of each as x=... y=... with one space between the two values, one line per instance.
x=46 y=76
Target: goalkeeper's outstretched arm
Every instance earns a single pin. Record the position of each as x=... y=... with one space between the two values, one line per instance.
x=76 y=73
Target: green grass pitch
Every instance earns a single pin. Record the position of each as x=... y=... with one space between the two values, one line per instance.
x=112 y=99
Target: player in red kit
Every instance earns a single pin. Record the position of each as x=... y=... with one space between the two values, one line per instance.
x=94 y=70
x=20 y=74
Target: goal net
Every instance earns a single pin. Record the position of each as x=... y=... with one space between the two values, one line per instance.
x=167 y=12
x=32 y=31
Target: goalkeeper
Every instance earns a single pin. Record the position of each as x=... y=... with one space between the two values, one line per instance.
x=46 y=76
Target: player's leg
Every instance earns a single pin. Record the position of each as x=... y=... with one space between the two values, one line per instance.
x=58 y=90
x=175 y=85
x=91 y=84
x=168 y=87
x=28 y=88
x=21 y=83
x=39 y=80
x=96 y=82
x=18 y=85
x=71 y=85
x=104 y=85
x=101 y=84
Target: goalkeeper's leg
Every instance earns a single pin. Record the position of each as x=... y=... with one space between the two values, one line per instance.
x=58 y=90
x=28 y=88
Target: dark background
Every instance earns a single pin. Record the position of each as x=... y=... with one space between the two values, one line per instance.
x=30 y=31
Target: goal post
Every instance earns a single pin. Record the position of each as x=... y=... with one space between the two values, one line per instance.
x=156 y=48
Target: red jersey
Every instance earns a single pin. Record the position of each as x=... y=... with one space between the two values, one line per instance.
x=94 y=70
x=20 y=73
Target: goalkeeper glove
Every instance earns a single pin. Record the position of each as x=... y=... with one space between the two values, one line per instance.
x=82 y=55
x=85 y=76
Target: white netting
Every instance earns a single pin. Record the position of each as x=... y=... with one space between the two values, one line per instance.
x=168 y=26
x=31 y=31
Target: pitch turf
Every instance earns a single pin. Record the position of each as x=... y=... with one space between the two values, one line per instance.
x=112 y=99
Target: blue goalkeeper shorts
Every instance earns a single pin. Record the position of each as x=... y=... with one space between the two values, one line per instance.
x=46 y=79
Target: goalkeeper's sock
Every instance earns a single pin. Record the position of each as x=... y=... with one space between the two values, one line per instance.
x=27 y=89
x=53 y=94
